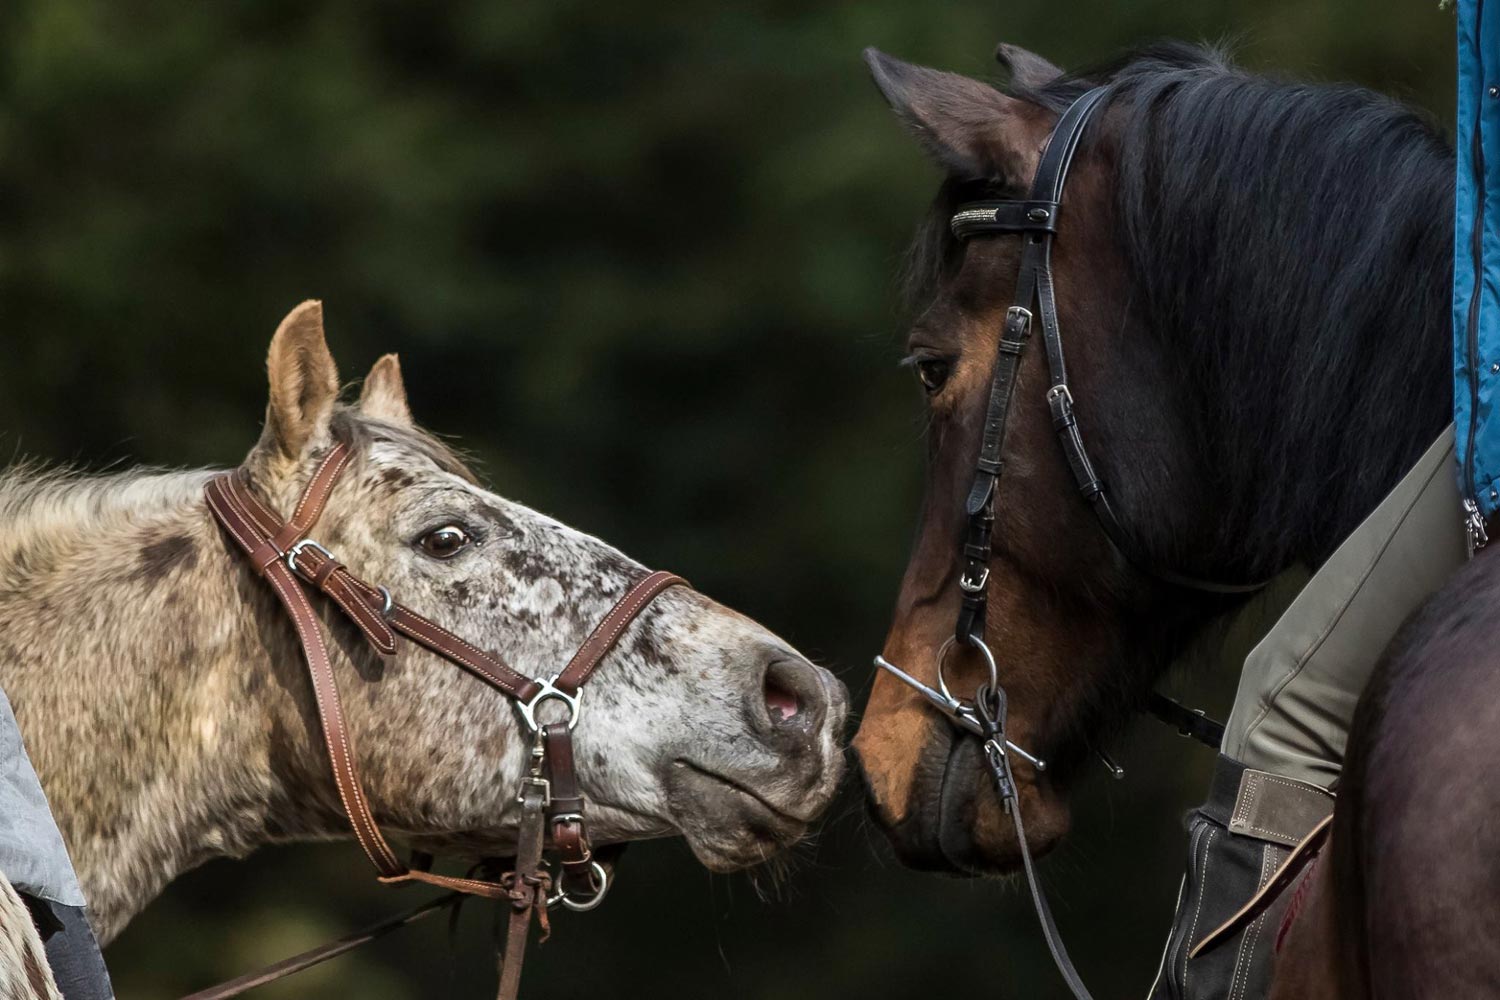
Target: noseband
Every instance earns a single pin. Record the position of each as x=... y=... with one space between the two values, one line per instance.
x=1034 y=219
x=552 y=805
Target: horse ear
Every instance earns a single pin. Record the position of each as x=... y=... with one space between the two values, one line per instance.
x=304 y=383
x=384 y=394
x=971 y=129
x=1026 y=68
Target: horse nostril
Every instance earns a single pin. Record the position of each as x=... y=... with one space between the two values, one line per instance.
x=781 y=701
x=793 y=695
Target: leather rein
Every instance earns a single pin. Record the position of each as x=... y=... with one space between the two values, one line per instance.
x=1034 y=218
x=552 y=804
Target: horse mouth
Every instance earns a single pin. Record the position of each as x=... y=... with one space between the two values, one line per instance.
x=728 y=823
x=956 y=824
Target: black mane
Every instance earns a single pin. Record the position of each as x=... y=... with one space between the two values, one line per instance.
x=1291 y=247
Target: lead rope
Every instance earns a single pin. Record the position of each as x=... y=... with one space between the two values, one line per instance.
x=324 y=952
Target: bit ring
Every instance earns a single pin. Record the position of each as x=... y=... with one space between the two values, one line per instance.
x=984 y=651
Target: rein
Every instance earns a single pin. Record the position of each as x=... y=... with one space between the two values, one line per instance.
x=1034 y=218
x=552 y=805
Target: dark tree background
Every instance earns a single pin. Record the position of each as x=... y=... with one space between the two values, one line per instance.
x=640 y=258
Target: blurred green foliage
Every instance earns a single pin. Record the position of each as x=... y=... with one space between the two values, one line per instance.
x=640 y=257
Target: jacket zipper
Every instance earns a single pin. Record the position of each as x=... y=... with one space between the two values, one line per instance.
x=1474 y=528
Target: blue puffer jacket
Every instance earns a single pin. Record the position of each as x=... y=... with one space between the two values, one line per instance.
x=1476 y=263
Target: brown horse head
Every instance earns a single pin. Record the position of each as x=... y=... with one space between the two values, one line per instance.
x=1179 y=304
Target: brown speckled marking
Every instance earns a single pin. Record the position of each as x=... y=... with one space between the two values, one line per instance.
x=165 y=554
x=202 y=733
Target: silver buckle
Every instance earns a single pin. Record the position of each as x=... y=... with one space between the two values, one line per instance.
x=1060 y=391
x=549 y=691
x=296 y=550
x=969 y=586
x=542 y=783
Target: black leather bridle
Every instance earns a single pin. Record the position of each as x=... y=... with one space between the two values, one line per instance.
x=1034 y=219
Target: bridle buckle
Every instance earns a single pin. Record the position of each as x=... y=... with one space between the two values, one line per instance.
x=534 y=781
x=974 y=585
x=296 y=550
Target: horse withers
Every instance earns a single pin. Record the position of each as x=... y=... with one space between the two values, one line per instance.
x=133 y=627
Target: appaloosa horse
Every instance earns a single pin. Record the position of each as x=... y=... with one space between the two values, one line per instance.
x=1254 y=281
x=171 y=720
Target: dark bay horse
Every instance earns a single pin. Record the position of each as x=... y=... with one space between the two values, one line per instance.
x=1255 y=277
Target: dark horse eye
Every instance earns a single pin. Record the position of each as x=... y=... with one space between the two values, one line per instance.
x=444 y=542
x=933 y=372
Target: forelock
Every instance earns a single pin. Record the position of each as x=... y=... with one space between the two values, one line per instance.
x=359 y=432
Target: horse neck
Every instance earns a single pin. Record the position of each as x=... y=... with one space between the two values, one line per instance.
x=134 y=658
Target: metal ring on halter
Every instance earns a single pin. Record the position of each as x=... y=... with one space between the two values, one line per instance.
x=984 y=650
x=385 y=609
x=598 y=882
x=548 y=692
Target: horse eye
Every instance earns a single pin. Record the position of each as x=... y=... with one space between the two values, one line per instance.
x=444 y=542
x=933 y=372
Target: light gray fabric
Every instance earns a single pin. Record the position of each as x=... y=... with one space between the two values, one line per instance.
x=1290 y=723
x=1300 y=684
x=32 y=854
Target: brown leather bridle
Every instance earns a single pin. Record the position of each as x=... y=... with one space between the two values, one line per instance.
x=295 y=566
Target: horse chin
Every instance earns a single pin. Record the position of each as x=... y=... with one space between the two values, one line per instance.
x=957 y=824
x=728 y=823
x=975 y=831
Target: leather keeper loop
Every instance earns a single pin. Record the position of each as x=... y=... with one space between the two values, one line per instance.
x=326 y=568
x=979 y=493
x=263 y=555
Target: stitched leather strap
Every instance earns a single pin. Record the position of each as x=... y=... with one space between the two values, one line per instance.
x=528 y=893
x=1283 y=877
x=294 y=565
x=242 y=513
x=606 y=634
x=237 y=522
x=566 y=810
